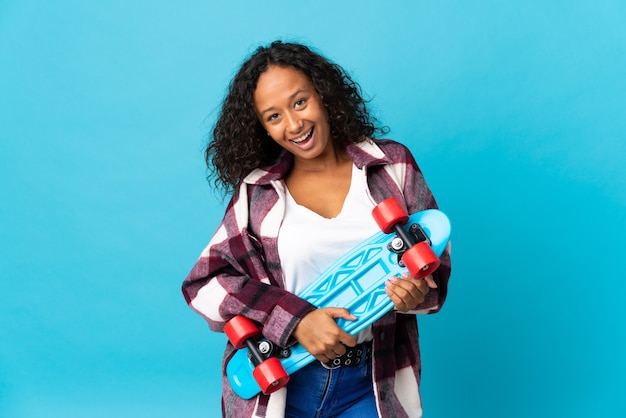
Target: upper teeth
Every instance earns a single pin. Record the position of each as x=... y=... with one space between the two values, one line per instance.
x=303 y=137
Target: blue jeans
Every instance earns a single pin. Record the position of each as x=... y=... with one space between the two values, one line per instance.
x=345 y=392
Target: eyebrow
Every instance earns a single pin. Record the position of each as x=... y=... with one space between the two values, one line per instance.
x=297 y=92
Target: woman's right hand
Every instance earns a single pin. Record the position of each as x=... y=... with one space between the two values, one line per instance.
x=321 y=336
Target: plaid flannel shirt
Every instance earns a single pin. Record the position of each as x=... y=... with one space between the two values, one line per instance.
x=239 y=272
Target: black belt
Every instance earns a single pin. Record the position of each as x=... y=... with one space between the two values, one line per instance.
x=352 y=357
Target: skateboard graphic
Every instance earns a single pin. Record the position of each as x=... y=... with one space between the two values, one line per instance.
x=356 y=282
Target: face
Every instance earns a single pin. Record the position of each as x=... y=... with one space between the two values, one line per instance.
x=291 y=111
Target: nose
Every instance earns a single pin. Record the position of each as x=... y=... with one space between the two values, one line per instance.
x=294 y=124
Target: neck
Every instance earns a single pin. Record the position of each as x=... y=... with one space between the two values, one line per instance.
x=334 y=158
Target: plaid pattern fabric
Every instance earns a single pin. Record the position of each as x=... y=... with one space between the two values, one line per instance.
x=239 y=272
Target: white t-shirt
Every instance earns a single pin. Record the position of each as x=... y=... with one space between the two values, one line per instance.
x=309 y=243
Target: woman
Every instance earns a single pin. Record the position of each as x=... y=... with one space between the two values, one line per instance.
x=294 y=144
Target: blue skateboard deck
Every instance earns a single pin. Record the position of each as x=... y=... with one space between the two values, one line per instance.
x=356 y=282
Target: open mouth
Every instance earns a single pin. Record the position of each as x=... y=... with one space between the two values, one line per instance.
x=303 y=138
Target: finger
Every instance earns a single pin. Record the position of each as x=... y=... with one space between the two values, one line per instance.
x=407 y=288
x=421 y=285
x=341 y=313
x=395 y=298
x=342 y=336
x=430 y=281
x=339 y=350
x=318 y=332
x=323 y=358
x=346 y=340
x=406 y=293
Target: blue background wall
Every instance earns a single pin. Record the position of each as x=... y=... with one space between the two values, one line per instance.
x=515 y=111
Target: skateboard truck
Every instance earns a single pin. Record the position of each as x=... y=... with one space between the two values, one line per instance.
x=412 y=246
x=268 y=349
x=414 y=236
x=268 y=372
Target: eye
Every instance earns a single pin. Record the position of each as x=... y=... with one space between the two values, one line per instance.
x=300 y=103
x=272 y=117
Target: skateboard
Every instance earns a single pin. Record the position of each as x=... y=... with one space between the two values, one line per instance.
x=356 y=281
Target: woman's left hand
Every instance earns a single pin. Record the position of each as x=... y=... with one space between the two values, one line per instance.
x=408 y=292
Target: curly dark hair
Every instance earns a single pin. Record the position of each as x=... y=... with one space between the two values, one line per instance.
x=241 y=144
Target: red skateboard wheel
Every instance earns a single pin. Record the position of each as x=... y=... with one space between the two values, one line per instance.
x=420 y=260
x=270 y=375
x=388 y=213
x=239 y=329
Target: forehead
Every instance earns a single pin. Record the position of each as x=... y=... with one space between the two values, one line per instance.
x=280 y=82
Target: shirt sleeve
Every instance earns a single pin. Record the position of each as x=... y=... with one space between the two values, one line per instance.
x=230 y=278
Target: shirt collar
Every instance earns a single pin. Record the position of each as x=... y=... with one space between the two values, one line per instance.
x=364 y=154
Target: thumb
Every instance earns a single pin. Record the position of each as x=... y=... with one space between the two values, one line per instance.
x=341 y=313
x=431 y=282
